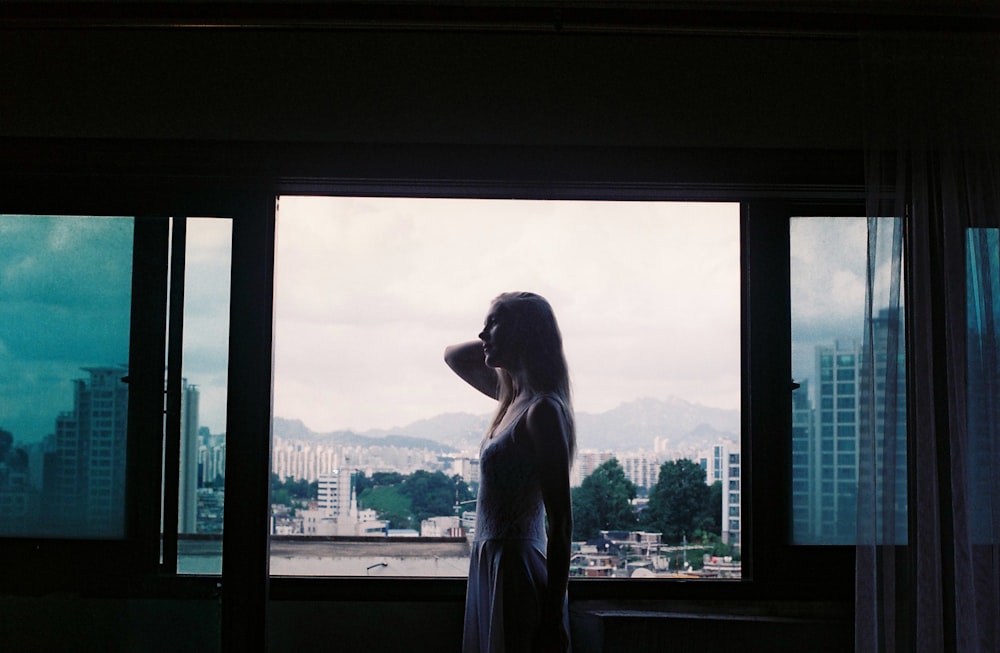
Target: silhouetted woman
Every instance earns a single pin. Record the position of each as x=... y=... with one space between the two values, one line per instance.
x=516 y=597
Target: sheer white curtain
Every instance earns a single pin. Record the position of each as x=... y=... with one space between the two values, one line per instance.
x=933 y=161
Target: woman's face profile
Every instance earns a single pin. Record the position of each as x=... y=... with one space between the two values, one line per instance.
x=497 y=337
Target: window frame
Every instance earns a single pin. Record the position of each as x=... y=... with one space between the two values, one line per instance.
x=69 y=563
x=250 y=203
x=837 y=570
x=111 y=566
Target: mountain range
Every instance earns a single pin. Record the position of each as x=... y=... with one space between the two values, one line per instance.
x=634 y=425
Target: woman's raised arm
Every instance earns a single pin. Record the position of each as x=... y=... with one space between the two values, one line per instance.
x=468 y=361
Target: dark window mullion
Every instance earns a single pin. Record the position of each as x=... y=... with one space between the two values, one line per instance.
x=768 y=382
x=145 y=412
x=172 y=422
x=245 y=582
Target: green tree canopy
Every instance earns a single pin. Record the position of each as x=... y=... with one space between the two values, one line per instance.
x=679 y=501
x=403 y=501
x=290 y=492
x=431 y=494
x=601 y=503
x=387 y=478
x=710 y=520
x=389 y=504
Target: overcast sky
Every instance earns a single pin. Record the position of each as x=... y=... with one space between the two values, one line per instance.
x=370 y=291
x=828 y=258
x=65 y=292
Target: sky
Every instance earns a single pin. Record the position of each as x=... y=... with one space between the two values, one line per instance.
x=206 y=315
x=65 y=292
x=828 y=259
x=369 y=291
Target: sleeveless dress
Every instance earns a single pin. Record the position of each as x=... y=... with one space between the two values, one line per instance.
x=507 y=570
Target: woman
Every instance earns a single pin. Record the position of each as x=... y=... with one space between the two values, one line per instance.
x=516 y=597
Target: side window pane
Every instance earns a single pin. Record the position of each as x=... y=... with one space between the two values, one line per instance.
x=828 y=259
x=375 y=458
x=65 y=302
x=201 y=486
x=983 y=383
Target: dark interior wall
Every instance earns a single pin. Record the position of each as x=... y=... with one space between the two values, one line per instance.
x=301 y=626
x=71 y=624
x=488 y=88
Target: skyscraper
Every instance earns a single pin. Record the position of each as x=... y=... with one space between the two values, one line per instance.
x=732 y=494
x=834 y=455
x=87 y=469
x=336 y=495
x=826 y=462
x=882 y=429
x=803 y=467
x=187 y=500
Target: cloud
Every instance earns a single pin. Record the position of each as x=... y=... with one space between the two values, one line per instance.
x=369 y=291
x=65 y=292
x=208 y=259
x=828 y=272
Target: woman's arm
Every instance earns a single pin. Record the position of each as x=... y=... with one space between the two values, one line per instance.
x=548 y=433
x=468 y=361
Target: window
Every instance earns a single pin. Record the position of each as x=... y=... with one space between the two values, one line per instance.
x=827 y=271
x=982 y=370
x=66 y=300
x=369 y=291
x=202 y=388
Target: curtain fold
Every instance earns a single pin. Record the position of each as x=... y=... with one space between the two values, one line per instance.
x=932 y=137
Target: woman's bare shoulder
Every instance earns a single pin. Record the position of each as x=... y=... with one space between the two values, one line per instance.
x=546 y=420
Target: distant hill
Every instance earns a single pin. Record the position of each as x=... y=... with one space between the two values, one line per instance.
x=636 y=424
x=632 y=425
x=293 y=429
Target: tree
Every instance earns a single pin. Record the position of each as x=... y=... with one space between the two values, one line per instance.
x=291 y=492
x=677 y=503
x=464 y=492
x=710 y=519
x=386 y=478
x=389 y=504
x=601 y=503
x=431 y=494
x=361 y=483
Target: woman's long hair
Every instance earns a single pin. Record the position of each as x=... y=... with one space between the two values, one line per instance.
x=541 y=363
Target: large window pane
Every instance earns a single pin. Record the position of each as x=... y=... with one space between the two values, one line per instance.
x=375 y=456
x=65 y=301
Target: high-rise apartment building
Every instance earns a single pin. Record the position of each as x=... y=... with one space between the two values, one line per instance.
x=887 y=427
x=86 y=471
x=211 y=458
x=642 y=468
x=18 y=501
x=803 y=468
x=304 y=461
x=585 y=464
x=834 y=484
x=732 y=494
x=187 y=500
x=336 y=494
x=825 y=453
